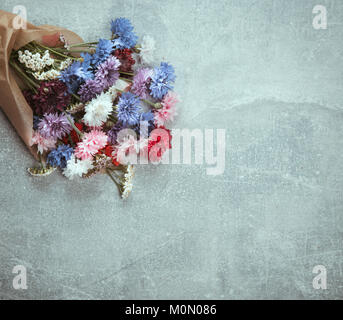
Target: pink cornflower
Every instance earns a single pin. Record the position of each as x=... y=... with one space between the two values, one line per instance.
x=43 y=144
x=126 y=151
x=168 y=110
x=91 y=143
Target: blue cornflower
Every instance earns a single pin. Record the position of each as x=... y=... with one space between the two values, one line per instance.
x=60 y=156
x=73 y=76
x=145 y=125
x=128 y=109
x=86 y=66
x=123 y=29
x=102 y=52
x=161 y=81
x=87 y=58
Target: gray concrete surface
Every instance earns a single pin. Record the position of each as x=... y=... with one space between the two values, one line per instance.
x=256 y=68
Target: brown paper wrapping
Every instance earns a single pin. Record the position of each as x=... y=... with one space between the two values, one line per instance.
x=12 y=101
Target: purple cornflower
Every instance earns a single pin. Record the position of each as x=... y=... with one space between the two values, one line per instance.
x=161 y=81
x=107 y=73
x=54 y=126
x=60 y=156
x=141 y=82
x=123 y=29
x=128 y=109
x=90 y=89
x=112 y=134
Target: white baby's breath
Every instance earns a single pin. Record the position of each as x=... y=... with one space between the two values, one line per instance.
x=127 y=184
x=65 y=64
x=35 y=61
x=47 y=75
x=126 y=189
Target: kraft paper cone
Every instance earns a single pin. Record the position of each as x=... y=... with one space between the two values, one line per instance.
x=12 y=101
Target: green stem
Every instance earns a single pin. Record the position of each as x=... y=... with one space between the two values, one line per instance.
x=23 y=74
x=112 y=178
x=81 y=51
x=125 y=79
x=76 y=97
x=84 y=44
x=31 y=47
x=79 y=133
x=156 y=105
x=112 y=118
x=41 y=160
x=70 y=140
x=117 y=175
x=137 y=48
x=58 y=53
x=127 y=73
x=119 y=168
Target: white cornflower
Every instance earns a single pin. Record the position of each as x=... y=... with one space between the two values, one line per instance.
x=147 y=50
x=98 y=110
x=76 y=167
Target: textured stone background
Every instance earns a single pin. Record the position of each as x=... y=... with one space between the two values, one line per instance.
x=256 y=68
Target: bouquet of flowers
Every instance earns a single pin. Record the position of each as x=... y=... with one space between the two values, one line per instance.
x=97 y=107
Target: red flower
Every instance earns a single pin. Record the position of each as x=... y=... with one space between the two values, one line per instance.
x=108 y=151
x=51 y=96
x=115 y=162
x=125 y=58
x=74 y=136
